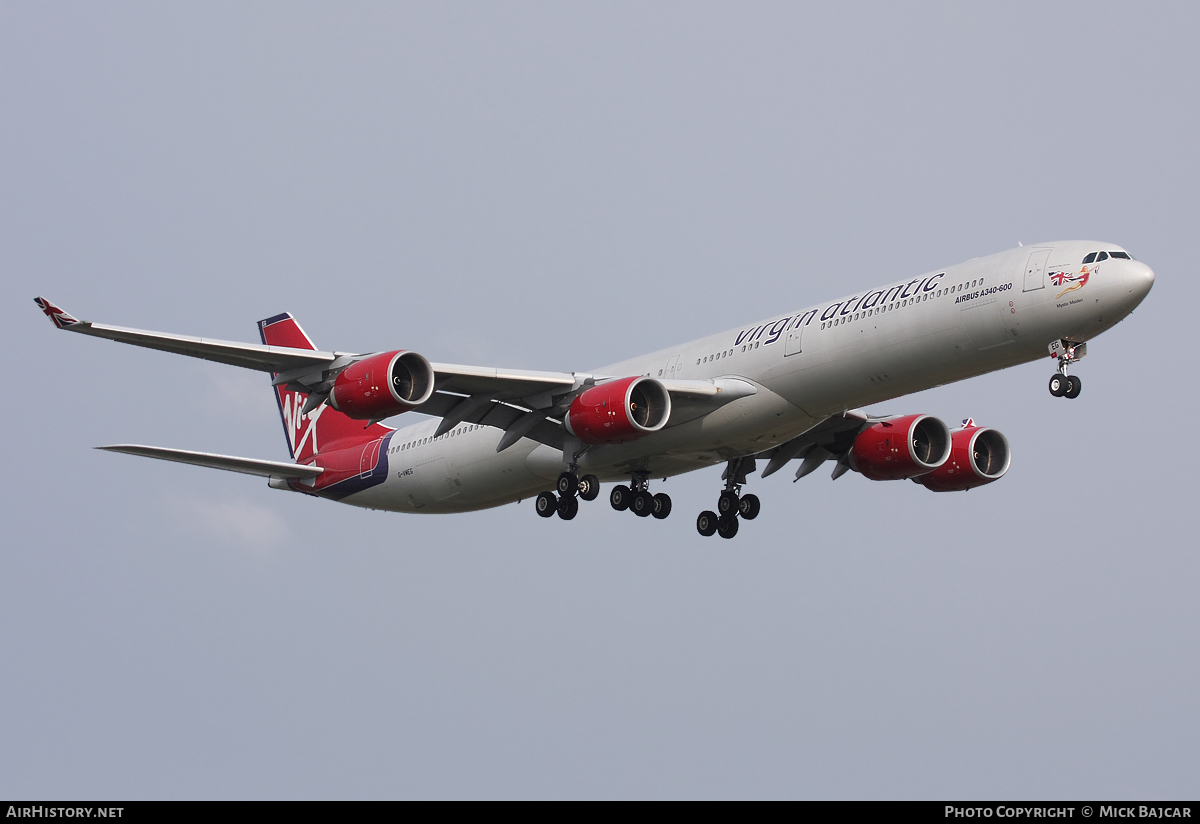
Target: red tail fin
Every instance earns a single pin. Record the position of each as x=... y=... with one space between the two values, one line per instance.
x=322 y=428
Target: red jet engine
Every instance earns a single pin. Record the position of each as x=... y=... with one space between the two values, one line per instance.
x=382 y=385
x=901 y=448
x=978 y=456
x=619 y=411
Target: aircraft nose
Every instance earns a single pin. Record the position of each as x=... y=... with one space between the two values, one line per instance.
x=1141 y=278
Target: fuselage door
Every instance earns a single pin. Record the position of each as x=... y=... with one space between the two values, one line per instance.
x=669 y=369
x=792 y=345
x=369 y=459
x=1035 y=270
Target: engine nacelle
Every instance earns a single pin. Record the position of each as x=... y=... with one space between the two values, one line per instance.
x=901 y=448
x=978 y=456
x=619 y=411
x=382 y=385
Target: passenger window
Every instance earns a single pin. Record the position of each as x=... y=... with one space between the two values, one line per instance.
x=1102 y=256
x=1091 y=258
x=1121 y=255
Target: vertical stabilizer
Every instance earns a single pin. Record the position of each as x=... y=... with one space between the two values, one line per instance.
x=322 y=428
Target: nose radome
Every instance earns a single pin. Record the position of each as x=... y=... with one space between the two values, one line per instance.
x=1142 y=279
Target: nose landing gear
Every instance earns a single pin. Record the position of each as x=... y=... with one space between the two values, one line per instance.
x=1063 y=385
x=732 y=506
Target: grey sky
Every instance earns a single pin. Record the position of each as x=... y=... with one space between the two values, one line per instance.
x=550 y=187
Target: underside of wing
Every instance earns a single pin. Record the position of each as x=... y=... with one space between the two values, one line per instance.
x=534 y=405
x=830 y=439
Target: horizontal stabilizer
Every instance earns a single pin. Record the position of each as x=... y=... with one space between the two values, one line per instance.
x=247 y=466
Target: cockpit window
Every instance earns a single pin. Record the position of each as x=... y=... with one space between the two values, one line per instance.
x=1090 y=258
x=1102 y=256
x=1122 y=255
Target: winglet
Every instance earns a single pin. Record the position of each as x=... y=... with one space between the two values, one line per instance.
x=60 y=318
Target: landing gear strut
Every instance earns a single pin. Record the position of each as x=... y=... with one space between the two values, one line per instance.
x=732 y=506
x=637 y=498
x=1063 y=385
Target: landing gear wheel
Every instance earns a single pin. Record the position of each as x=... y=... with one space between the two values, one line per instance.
x=727 y=504
x=749 y=507
x=620 y=497
x=546 y=504
x=1059 y=385
x=642 y=503
x=1074 y=387
x=568 y=485
x=589 y=487
x=568 y=508
x=662 y=505
x=706 y=524
x=727 y=527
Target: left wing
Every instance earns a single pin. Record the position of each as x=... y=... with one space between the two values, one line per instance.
x=831 y=439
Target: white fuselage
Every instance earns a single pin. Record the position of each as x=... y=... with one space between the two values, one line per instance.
x=986 y=314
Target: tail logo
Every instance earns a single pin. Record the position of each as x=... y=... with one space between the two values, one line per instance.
x=295 y=420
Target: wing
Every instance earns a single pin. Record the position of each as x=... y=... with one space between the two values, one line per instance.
x=304 y=367
x=246 y=355
x=503 y=404
x=520 y=402
x=831 y=439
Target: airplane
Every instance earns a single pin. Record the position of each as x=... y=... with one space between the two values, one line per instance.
x=791 y=387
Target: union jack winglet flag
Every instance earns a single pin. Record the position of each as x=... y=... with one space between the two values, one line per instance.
x=58 y=316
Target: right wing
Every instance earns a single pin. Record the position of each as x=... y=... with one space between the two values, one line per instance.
x=247 y=355
x=522 y=403
x=307 y=366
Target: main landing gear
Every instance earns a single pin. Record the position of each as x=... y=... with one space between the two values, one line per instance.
x=1063 y=385
x=731 y=506
x=570 y=489
x=638 y=500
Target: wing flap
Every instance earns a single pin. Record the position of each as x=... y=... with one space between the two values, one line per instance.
x=503 y=383
x=695 y=399
x=831 y=437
